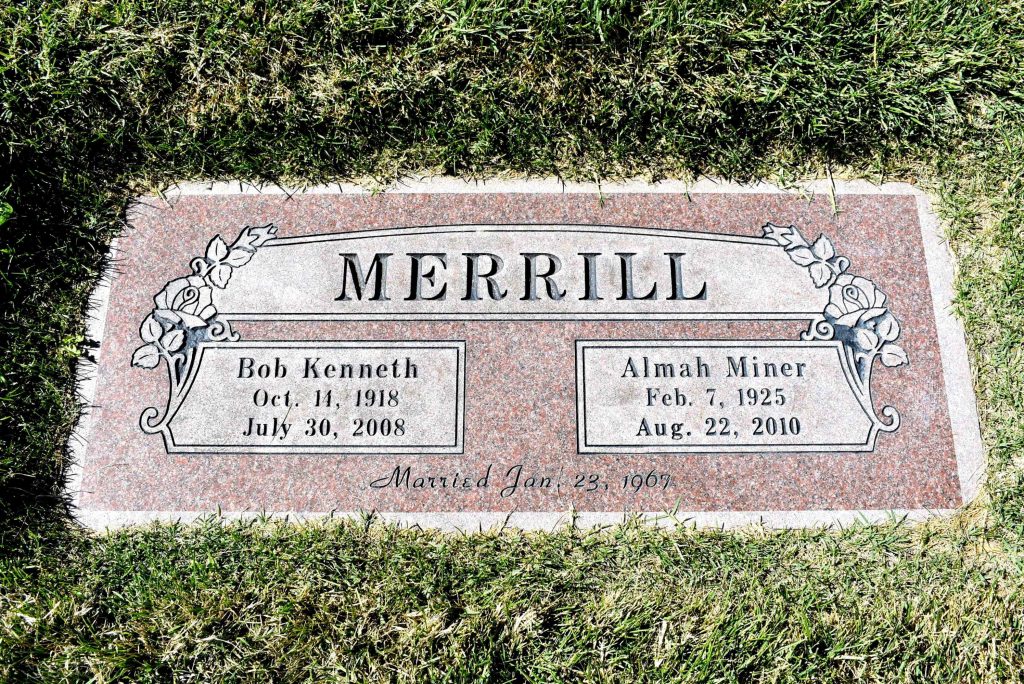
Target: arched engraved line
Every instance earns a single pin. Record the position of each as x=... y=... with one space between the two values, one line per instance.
x=476 y=228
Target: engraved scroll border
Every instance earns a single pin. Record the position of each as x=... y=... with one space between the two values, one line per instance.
x=185 y=316
x=856 y=315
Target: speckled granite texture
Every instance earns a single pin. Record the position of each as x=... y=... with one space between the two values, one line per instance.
x=520 y=394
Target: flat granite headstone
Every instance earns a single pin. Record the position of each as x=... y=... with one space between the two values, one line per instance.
x=451 y=353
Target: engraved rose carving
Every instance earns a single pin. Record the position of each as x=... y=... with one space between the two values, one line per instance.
x=853 y=300
x=186 y=314
x=856 y=312
x=186 y=300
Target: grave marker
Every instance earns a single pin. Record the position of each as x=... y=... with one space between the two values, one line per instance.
x=450 y=354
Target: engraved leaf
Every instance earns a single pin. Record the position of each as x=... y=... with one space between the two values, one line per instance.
x=823 y=248
x=151 y=329
x=802 y=256
x=167 y=315
x=887 y=327
x=821 y=274
x=174 y=340
x=866 y=339
x=220 y=275
x=238 y=257
x=893 y=355
x=848 y=319
x=191 y=320
x=217 y=249
x=873 y=312
x=147 y=356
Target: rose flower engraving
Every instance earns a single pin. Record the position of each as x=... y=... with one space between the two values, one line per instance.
x=853 y=299
x=856 y=312
x=186 y=300
x=184 y=311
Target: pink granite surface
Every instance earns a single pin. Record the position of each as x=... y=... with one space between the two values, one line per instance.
x=520 y=384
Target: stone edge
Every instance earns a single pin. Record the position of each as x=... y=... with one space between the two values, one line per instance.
x=956 y=368
x=85 y=386
x=448 y=184
x=952 y=343
x=483 y=521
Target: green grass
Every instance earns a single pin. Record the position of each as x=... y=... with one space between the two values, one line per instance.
x=102 y=100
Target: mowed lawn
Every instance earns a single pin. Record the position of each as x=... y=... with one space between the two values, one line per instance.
x=103 y=100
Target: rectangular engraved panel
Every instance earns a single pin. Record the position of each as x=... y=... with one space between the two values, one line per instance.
x=323 y=397
x=712 y=396
x=573 y=272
